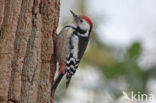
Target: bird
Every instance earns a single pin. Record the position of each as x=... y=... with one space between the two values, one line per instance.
x=71 y=44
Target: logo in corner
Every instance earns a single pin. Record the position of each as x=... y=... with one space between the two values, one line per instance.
x=138 y=97
x=125 y=96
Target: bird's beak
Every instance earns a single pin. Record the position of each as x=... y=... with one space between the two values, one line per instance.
x=75 y=16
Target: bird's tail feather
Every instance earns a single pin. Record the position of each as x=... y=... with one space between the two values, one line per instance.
x=68 y=82
x=56 y=83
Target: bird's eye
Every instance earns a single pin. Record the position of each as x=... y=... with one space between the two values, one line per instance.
x=81 y=21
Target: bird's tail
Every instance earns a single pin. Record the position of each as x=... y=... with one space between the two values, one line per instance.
x=56 y=83
x=68 y=79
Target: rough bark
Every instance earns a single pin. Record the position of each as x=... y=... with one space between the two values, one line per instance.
x=27 y=57
x=7 y=36
x=2 y=2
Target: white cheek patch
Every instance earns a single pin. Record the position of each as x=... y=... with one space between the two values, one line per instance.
x=85 y=26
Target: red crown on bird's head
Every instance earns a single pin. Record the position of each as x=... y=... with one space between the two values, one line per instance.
x=88 y=20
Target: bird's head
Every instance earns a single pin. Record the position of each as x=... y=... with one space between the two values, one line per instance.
x=83 y=22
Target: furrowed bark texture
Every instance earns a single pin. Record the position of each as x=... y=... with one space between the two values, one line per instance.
x=27 y=57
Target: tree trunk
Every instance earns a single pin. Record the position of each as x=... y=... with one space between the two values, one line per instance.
x=27 y=60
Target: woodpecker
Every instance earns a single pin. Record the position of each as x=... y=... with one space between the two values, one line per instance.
x=71 y=44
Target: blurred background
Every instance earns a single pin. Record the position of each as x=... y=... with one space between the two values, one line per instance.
x=121 y=56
